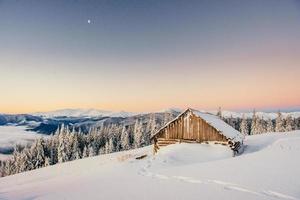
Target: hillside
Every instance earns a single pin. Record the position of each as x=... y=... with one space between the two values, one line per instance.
x=268 y=169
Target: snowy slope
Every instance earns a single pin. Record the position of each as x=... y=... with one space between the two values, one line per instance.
x=269 y=169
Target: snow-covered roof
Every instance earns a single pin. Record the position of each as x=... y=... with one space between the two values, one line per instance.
x=225 y=129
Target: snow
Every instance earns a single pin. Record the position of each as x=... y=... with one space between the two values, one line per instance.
x=220 y=125
x=268 y=169
x=83 y=113
x=12 y=135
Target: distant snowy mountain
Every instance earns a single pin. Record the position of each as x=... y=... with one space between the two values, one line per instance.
x=105 y=113
x=83 y=113
x=171 y=110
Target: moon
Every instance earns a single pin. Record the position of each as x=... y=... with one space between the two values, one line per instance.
x=88 y=21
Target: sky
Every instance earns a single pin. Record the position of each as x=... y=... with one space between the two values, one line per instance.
x=149 y=55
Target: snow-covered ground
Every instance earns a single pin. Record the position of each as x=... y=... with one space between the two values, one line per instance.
x=268 y=169
x=12 y=135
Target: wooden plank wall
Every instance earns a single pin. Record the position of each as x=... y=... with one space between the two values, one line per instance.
x=188 y=127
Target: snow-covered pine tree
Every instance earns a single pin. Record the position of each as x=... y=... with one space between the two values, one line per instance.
x=150 y=128
x=38 y=152
x=261 y=128
x=102 y=150
x=254 y=124
x=111 y=146
x=85 y=152
x=139 y=139
x=244 y=126
x=279 y=127
x=125 y=143
x=62 y=155
x=29 y=159
x=106 y=146
x=22 y=166
x=297 y=123
x=289 y=126
x=115 y=134
x=270 y=126
x=8 y=167
x=53 y=143
x=230 y=121
x=76 y=153
x=91 y=151
x=219 y=113
x=97 y=139
x=17 y=159
x=47 y=162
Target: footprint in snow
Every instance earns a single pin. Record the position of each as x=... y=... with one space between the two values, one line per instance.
x=278 y=195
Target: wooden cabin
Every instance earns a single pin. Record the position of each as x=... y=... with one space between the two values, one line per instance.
x=192 y=126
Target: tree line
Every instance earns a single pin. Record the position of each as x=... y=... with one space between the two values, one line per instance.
x=257 y=125
x=68 y=144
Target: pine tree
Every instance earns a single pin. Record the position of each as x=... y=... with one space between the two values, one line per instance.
x=244 y=126
x=76 y=153
x=53 y=143
x=254 y=124
x=289 y=123
x=139 y=139
x=111 y=146
x=47 y=162
x=69 y=140
x=219 y=113
x=62 y=149
x=97 y=139
x=22 y=166
x=297 y=123
x=37 y=151
x=270 y=126
x=279 y=123
x=150 y=129
x=106 y=147
x=85 y=152
x=230 y=121
x=261 y=128
x=30 y=159
x=125 y=143
x=115 y=133
x=8 y=167
x=91 y=151
x=17 y=159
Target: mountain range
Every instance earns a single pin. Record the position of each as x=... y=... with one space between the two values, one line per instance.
x=124 y=114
